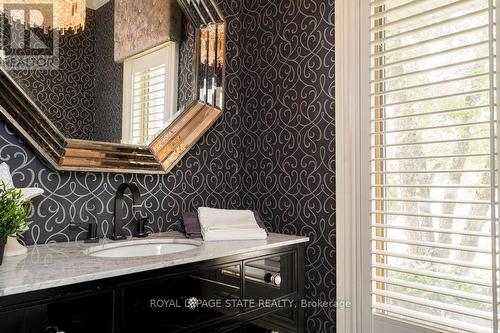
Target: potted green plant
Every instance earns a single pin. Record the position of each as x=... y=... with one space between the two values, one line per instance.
x=13 y=211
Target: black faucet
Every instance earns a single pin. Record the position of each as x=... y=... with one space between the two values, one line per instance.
x=136 y=204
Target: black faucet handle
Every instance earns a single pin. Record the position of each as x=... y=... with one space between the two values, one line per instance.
x=91 y=229
x=141 y=227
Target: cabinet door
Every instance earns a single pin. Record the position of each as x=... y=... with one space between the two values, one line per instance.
x=79 y=315
x=272 y=277
x=177 y=303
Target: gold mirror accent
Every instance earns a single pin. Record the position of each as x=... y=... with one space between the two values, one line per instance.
x=168 y=145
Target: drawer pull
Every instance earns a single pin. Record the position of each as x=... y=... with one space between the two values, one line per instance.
x=274 y=279
x=255 y=274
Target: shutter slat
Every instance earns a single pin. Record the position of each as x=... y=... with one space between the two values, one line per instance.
x=467 y=108
x=430 y=84
x=433 y=98
x=427 y=157
x=478 y=123
x=145 y=93
x=430 y=186
x=434 y=230
x=439 y=290
x=428 y=142
x=146 y=78
x=402 y=172
x=150 y=100
x=431 y=245
x=432 y=274
x=477 y=202
x=431 y=69
x=431 y=40
x=430 y=259
x=429 y=55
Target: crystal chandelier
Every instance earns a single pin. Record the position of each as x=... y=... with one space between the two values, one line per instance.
x=59 y=15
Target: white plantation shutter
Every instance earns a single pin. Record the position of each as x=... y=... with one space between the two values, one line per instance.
x=148 y=103
x=149 y=93
x=433 y=161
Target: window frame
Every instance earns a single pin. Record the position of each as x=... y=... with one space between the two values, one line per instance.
x=352 y=91
x=164 y=54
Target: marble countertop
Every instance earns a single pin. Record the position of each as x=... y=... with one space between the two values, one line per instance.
x=60 y=264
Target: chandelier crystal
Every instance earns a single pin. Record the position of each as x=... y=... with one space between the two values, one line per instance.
x=59 y=15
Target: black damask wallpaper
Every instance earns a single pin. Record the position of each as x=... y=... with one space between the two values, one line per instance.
x=288 y=142
x=272 y=150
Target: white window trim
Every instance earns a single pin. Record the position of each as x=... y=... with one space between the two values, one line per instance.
x=171 y=53
x=351 y=258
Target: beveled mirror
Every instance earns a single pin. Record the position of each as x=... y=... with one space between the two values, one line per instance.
x=112 y=85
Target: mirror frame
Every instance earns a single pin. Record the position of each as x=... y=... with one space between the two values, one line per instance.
x=66 y=154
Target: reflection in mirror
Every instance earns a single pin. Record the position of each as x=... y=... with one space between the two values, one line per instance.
x=124 y=70
x=211 y=63
x=210 y=71
x=111 y=85
x=173 y=142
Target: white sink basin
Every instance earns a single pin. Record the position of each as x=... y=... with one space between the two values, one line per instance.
x=142 y=248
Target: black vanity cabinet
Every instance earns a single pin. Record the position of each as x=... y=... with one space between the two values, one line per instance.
x=253 y=292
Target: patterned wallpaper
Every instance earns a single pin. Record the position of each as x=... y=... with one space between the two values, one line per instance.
x=272 y=150
x=288 y=143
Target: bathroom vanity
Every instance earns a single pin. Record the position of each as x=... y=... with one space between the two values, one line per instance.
x=234 y=286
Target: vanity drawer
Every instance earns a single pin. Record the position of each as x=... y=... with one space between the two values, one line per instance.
x=177 y=303
x=270 y=278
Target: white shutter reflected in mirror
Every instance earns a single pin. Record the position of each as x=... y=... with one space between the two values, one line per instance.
x=150 y=98
x=434 y=223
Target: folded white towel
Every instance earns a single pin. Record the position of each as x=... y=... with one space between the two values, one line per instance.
x=228 y=235
x=225 y=224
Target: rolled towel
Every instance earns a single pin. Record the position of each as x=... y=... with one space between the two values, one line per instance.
x=225 y=224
